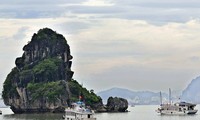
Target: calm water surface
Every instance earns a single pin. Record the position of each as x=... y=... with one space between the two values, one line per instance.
x=136 y=113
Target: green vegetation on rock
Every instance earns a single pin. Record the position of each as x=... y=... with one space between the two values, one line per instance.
x=8 y=88
x=51 y=91
x=76 y=89
x=47 y=69
x=46 y=66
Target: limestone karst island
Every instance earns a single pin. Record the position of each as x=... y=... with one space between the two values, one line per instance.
x=42 y=79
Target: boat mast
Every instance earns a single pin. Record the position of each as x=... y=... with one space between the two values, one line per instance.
x=160 y=98
x=169 y=96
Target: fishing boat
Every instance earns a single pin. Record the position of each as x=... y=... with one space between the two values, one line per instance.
x=178 y=108
x=79 y=111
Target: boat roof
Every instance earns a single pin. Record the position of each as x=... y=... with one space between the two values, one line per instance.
x=78 y=103
x=186 y=104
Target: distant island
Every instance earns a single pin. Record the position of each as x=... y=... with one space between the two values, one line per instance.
x=42 y=79
x=133 y=97
x=138 y=97
x=190 y=94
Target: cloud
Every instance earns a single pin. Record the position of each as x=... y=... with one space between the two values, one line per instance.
x=73 y=27
x=38 y=2
x=20 y=33
x=153 y=11
x=156 y=3
x=97 y=3
x=30 y=11
x=50 y=9
x=102 y=52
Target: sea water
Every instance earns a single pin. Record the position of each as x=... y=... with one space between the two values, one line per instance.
x=140 y=112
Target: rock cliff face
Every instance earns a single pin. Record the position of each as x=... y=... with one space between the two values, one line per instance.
x=117 y=104
x=39 y=82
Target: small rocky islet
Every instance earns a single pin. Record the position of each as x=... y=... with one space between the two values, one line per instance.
x=42 y=79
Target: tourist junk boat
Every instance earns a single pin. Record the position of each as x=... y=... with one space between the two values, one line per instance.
x=78 y=111
x=179 y=108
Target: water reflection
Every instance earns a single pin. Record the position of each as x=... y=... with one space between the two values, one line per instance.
x=136 y=113
x=45 y=116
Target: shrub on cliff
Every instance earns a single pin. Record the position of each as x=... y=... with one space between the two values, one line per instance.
x=90 y=98
x=49 y=91
x=8 y=88
x=47 y=70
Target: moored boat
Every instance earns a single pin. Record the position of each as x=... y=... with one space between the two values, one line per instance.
x=178 y=108
x=79 y=111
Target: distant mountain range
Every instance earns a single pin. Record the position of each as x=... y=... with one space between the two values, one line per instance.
x=134 y=98
x=192 y=92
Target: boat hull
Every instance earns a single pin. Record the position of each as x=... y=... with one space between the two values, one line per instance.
x=67 y=118
x=192 y=112
x=78 y=115
x=88 y=119
x=172 y=112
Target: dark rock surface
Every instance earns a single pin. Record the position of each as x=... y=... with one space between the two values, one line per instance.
x=39 y=82
x=117 y=104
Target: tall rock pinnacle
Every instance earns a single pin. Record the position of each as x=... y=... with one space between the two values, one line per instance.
x=39 y=82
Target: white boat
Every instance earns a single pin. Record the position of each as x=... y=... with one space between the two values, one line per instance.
x=78 y=111
x=179 y=108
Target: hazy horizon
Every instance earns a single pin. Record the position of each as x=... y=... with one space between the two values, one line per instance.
x=138 y=45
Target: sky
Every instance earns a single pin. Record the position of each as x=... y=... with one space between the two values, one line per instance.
x=135 y=44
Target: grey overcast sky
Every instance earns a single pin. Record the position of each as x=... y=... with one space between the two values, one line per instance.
x=134 y=44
